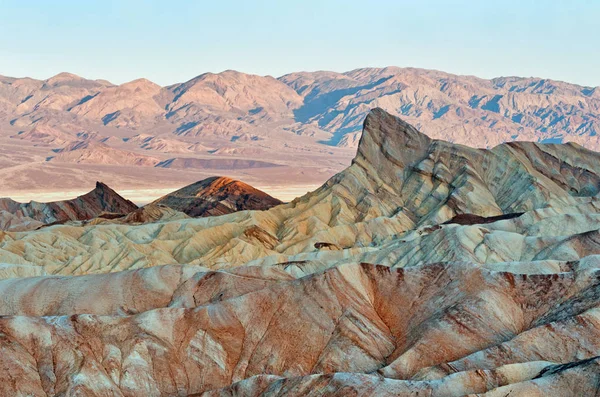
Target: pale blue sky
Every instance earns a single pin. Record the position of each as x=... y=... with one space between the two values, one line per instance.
x=173 y=41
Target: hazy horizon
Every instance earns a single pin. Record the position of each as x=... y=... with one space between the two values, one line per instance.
x=123 y=41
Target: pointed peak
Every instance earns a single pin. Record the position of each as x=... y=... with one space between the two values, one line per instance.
x=387 y=138
x=103 y=189
x=380 y=117
x=110 y=200
x=101 y=185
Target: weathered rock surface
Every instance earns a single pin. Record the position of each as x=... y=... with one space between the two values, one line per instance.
x=34 y=214
x=217 y=196
x=425 y=268
x=440 y=326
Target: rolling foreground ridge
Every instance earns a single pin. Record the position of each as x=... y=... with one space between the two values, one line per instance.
x=424 y=268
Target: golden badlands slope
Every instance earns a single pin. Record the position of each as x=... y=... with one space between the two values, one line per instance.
x=375 y=284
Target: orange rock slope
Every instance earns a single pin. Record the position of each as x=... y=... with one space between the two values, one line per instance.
x=217 y=196
x=456 y=271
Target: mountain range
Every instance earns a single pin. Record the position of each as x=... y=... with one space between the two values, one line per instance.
x=299 y=128
x=425 y=267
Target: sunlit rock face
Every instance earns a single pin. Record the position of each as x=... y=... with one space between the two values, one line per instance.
x=425 y=268
x=217 y=196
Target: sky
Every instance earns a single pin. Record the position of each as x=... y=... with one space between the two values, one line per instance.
x=173 y=41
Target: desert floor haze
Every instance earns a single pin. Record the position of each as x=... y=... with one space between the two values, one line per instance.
x=285 y=135
x=423 y=268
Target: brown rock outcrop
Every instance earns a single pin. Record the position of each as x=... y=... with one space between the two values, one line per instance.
x=439 y=326
x=101 y=199
x=217 y=196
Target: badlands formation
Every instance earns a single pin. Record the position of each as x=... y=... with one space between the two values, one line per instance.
x=60 y=134
x=23 y=216
x=208 y=197
x=217 y=196
x=425 y=268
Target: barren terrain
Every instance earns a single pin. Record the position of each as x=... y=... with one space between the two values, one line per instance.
x=424 y=268
x=61 y=134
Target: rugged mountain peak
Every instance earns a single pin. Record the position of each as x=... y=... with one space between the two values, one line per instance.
x=108 y=200
x=217 y=195
x=387 y=138
x=231 y=90
x=400 y=171
x=102 y=189
x=101 y=199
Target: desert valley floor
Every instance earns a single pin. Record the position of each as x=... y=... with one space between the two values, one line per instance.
x=424 y=268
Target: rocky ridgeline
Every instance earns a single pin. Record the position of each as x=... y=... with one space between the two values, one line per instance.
x=328 y=105
x=23 y=216
x=209 y=197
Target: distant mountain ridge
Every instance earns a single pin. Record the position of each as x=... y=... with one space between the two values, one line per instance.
x=462 y=109
x=299 y=129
